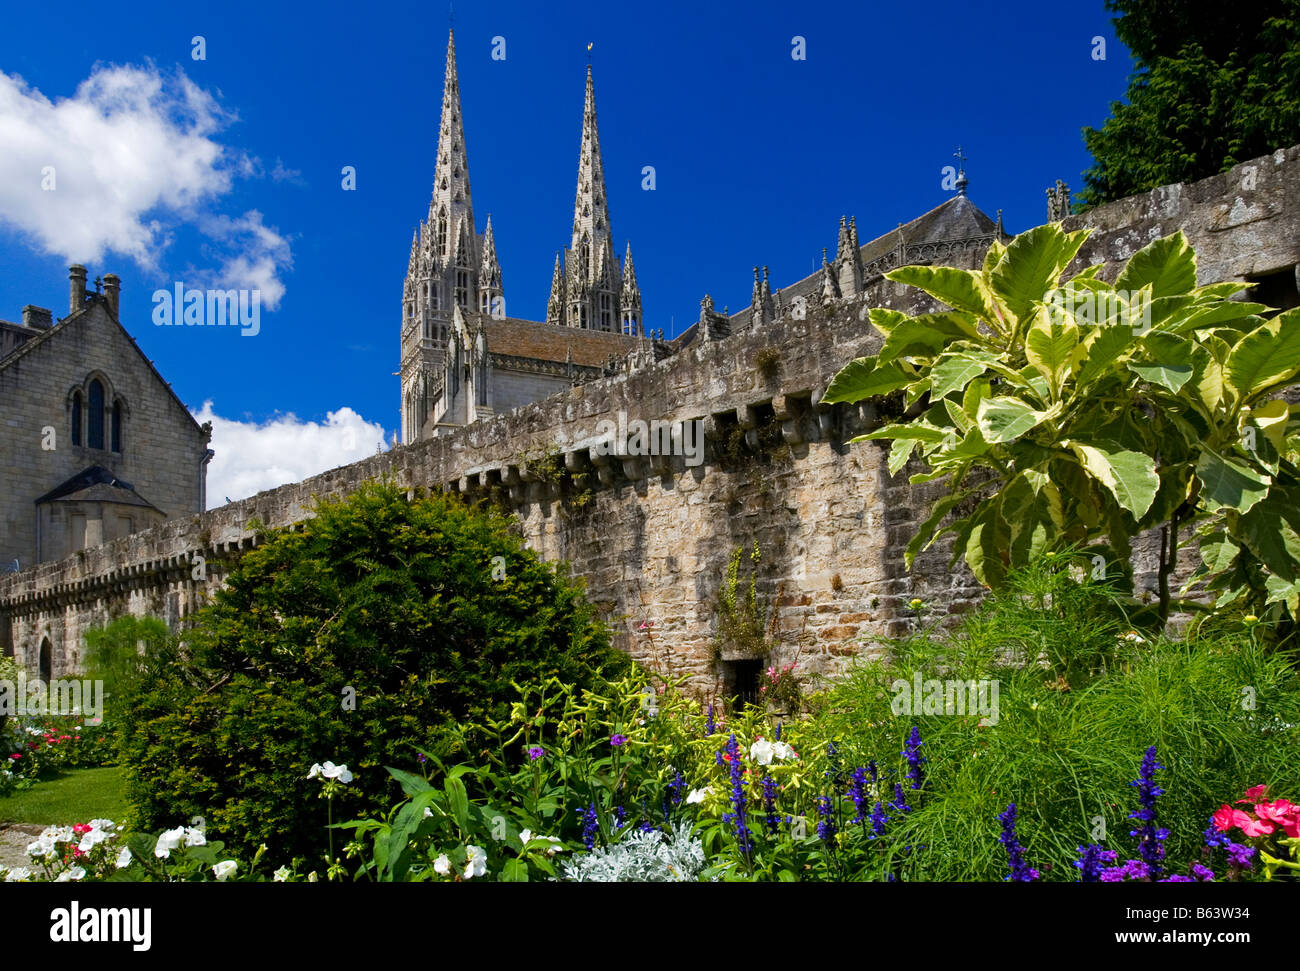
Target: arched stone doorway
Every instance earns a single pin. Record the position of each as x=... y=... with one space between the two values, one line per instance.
x=45 y=663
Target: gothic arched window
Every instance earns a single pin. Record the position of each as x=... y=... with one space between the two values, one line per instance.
x=95 y=423
x=442 y=232
x=76 y=418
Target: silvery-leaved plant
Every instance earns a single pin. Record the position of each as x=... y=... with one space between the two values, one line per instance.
x=642 y=857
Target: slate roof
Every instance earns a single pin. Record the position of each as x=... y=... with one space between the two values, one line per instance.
x=955 y=218
x=513 y=337
x=96 y=484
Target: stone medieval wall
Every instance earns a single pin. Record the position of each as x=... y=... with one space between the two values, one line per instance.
x=652 y=536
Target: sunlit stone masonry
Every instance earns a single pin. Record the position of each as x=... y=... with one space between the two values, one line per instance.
x=651 y=534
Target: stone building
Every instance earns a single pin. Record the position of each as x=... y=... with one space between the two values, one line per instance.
x=462 y=357
x=94 y=444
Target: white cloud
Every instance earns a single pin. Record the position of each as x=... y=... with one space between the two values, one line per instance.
x=252 y=456
x=259 y=253
x=130 y=156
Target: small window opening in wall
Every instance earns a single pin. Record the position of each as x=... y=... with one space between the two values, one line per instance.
x=1277 y=289
x=741 y=680
x=45 y=663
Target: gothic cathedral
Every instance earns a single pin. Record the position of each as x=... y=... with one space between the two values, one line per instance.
x=463 y=358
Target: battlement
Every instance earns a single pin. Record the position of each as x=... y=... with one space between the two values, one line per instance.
x=652 y=535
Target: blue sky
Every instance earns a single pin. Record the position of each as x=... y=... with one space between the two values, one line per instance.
x=226 y=171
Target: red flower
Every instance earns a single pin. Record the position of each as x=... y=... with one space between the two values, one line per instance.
x=1286 y=814
x=1254 y=794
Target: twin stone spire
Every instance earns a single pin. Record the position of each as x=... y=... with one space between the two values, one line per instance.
x=452 y=267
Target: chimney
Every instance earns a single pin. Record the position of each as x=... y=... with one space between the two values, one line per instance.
x=37 y=318
x=76 y=287
x=112 y=291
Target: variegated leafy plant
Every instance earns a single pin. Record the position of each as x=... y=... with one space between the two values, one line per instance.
x=1082 y=413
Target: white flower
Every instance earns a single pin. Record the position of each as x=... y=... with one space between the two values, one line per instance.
x=329 y=770
x=107 y=825
x=442 y=865
x=428 y=813
x=281 y=875
x=224 y=869
x=1135 y=637
x=17 y=875
x=75 y=873
x=124 y=858
x=527 y=835
x=783 y=750
x=476 y=865
x=169 y=841
x=761 y=752
x=697 y=795
x=311 y=877
x=89 y=840
x=195 y=837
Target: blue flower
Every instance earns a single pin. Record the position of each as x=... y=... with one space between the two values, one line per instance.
x=826 y=821
x=738 y=800
x=709 y=727
x=858 y=793
x=900 y=800
x=878 y=820
x=1241 y=856
x=590 y=826
x=1090 y=862
x=1020 y=871
x=912 y=752
x=677 y=787
x=1150 y=839
x=773 y=818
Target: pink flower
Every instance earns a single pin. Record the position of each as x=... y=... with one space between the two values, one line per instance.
x=1256 y=827
x=1286 y=814
x=1227 y=817
x=1254 y=794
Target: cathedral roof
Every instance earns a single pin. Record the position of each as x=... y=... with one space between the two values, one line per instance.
x=513 y=337
x=96 y=484
x=956 y=218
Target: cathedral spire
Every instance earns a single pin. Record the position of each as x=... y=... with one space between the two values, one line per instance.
x=630 y=298
x=555 y=305
x=591 y=293
x=491 y=290
x=590 y=206
x=451 y=210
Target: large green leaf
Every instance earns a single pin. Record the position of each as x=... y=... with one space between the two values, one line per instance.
x=972 y=446
x=959 y=289
x=863 y=378
x=1049 y=346
x=1272 y=540
x=1099 y=352
x=953 y=372
x=1033 y=265
x=917 y=431
x=899 y=453
x=1266 y=357
x=926 y=335
x=1168 y=265
x=1166 y=361
x=885 y=320
x=1218 y=552
x=1004 y=419
x=1129 y=476
x=1228 y=482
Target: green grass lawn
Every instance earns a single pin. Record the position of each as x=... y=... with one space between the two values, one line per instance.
x=75 y=796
